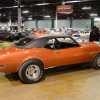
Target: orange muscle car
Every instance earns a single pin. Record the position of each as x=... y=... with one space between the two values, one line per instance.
x=38 y=32
x=32 y=54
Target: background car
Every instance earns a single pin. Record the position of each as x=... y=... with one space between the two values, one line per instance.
x=16 y=36
x=4 y=34
x=83 y=39
x=38 y=32
x=31 y=55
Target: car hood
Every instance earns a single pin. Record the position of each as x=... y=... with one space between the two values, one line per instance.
x=8 y=50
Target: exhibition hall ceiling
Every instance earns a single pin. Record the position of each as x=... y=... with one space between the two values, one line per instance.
x=39 y=9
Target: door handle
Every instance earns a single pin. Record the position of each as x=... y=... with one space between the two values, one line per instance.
x=58 y=52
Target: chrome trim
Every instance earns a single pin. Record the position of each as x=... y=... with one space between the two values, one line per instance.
x=66 y=65
x=32 y=72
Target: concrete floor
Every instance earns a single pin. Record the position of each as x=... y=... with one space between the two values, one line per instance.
x=64 y=84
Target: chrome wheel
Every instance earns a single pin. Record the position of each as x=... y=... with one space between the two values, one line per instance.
x=98 y=62
x=32 y=72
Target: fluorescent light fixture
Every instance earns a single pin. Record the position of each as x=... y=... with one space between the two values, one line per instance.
x=29 y=18
x=72 y=1
x=15 y=6
x=86 y=8
x=93 y=14
x=42 y=4
x=47 y=16
x=26 y=11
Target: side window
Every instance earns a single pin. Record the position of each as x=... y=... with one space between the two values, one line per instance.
x=65 y=43
x=23 y=34
x=50 y=44
x=65 y=40
x=60 y=43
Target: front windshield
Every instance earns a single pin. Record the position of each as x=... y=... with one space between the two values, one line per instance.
x=23 y=41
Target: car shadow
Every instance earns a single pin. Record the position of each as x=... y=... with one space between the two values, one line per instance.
x=52 y=71
x=66 y=69
x=12 y=76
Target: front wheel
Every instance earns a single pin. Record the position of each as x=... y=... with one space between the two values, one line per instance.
x=96 y=62
x=31 y=71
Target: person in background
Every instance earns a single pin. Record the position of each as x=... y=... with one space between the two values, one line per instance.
x=94 y=34
x=91 y=34
x=68 y=31
x=63 y=30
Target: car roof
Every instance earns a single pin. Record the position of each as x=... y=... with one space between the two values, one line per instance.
x=41 y=40
x=48 y=36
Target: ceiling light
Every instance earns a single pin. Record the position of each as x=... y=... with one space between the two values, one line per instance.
x=42 y=4
x=26 y=11
x=72 y=1
x=29 y=18
x=86 y=7
x=47 y=16
x=15 y=6
x=93 y=14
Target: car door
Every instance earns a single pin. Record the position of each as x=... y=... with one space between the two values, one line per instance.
x=70 y=55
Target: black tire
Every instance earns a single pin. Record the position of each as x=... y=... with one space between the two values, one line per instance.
x=96 y=62
x=31 y=71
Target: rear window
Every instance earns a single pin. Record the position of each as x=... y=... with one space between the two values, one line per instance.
x=23 y=41
x=31 y=42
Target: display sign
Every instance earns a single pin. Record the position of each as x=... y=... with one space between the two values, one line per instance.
x=67 y=9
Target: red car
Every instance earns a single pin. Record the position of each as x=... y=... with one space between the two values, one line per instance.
x=31 y=55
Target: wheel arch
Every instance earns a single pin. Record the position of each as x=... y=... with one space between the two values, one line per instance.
x=95 y=56
x=28 y=60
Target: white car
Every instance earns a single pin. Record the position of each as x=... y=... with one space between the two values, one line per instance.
x=81 y=34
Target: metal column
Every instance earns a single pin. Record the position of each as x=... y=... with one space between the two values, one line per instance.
x=56 y=21
x=92 y=23
x=19 y=16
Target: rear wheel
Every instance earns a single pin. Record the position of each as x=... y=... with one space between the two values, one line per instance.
x=31 y=71
x=96 y=62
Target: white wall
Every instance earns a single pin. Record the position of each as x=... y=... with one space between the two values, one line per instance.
x=14 y=24
x=3 y=26
x=62 y=23
x=97 y=22
x=29 y=24
x=81 y=24
x=76 y=24
x=44 y=24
